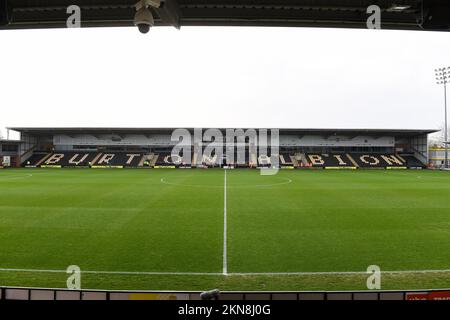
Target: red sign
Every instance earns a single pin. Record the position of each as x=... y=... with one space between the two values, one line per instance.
x=434 y=295
x=417 y=296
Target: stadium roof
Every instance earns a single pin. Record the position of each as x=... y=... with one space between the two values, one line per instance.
x=10 y=141
x=399 y=14
x=97 y=130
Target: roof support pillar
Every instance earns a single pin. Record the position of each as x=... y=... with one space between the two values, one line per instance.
x=5 y=13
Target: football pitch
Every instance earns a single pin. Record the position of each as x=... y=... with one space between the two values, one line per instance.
x=162 y=229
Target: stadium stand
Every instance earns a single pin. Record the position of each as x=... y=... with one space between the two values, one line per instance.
x=151 y=147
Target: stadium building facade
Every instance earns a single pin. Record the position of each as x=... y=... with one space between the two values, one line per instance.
x=153 y=147
x=437 y=156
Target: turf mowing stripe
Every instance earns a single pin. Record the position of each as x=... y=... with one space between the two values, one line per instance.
x=225 y=262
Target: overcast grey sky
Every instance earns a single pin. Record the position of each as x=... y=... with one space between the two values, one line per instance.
x=222 y=77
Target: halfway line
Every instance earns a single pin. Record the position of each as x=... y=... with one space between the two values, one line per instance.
x=225 y=263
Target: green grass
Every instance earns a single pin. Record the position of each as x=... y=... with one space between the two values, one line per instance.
x=172 y=221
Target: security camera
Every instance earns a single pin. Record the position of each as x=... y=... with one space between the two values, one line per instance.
x=143 y=18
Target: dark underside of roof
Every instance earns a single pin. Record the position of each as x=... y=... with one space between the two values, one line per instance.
x=399 y=14
x=37 y=131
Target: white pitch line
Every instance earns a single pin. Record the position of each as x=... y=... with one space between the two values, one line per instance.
x=225 y=262
x=13 y=177
x=318 y=273
x=286 y=181
x=118 y=272
x=227 y=274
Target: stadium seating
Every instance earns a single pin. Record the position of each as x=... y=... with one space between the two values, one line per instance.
x=329 y=160
x=126 y=159
x=411 y=161
x=69 y=159
x=359 y=160
x=242 y=164
x=80 y=159
x=165 y=159
x=315 y=160
x=36 y=158
x=286 y=159
x=377 y=160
